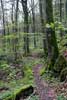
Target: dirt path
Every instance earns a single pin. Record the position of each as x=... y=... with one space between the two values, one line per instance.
x=43 y=89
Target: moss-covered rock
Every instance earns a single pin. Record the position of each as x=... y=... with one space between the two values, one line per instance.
x=60 y=64
x=63 y=74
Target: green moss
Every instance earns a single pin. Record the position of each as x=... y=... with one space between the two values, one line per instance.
x=10 y=95
x=42 y=71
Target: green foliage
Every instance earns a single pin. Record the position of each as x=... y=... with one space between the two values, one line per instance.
x=51 y=25
x=61 y=97
x=7 y=94
x=62 y=43
x=59 y=25
x=42 y=71
x=4 y=65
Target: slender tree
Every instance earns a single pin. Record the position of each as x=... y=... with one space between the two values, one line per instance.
x=33 y=20
x=16 y=16
x=42 y=18
x=12 y=16
x=41 y=15
x=26 y=26
x=61 y=32
x=16 y=30
x=66 y=12
x=60 y=10
x=2 y=6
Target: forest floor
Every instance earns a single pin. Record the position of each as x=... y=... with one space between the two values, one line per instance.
x=34 y=67
x=46 y=86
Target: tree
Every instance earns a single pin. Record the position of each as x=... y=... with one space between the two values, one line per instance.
x=12 y=16
x=26 y=26
x=2 y=6
x=43 y=18
x=16 y=30
x=60 y=10
x=33 y=20
x=16 y=16
x=41 y=15
x=61 y=32
x=50 y=34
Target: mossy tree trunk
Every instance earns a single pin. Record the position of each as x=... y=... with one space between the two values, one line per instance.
x=50 y=34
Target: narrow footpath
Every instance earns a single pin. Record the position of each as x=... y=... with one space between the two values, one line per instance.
x=43 y=89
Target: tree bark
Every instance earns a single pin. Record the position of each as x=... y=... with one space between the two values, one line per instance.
x=15 y=42
x=33 y=20
x=2 y=6
x=50 y=34
x=26 y=26
x=42 y=18
x=61 y=32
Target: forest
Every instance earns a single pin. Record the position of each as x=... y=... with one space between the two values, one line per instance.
x=33 y=49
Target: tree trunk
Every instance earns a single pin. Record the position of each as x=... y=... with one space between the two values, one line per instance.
x=60 y=10
x=3 y=17
x=61 y=32
x=33 y=20
x=50 y=34
x=42 y=18
x=12 y=19
x=15 y=33
x=26 y=26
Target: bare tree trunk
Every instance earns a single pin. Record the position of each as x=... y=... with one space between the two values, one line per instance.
x=42 y=18
x=2 y=6
x=26 y=26
x=12 y=19
x=33 y=20
x=61 y=32
x=16 y=16
x=60 y=10
x=16 y=30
